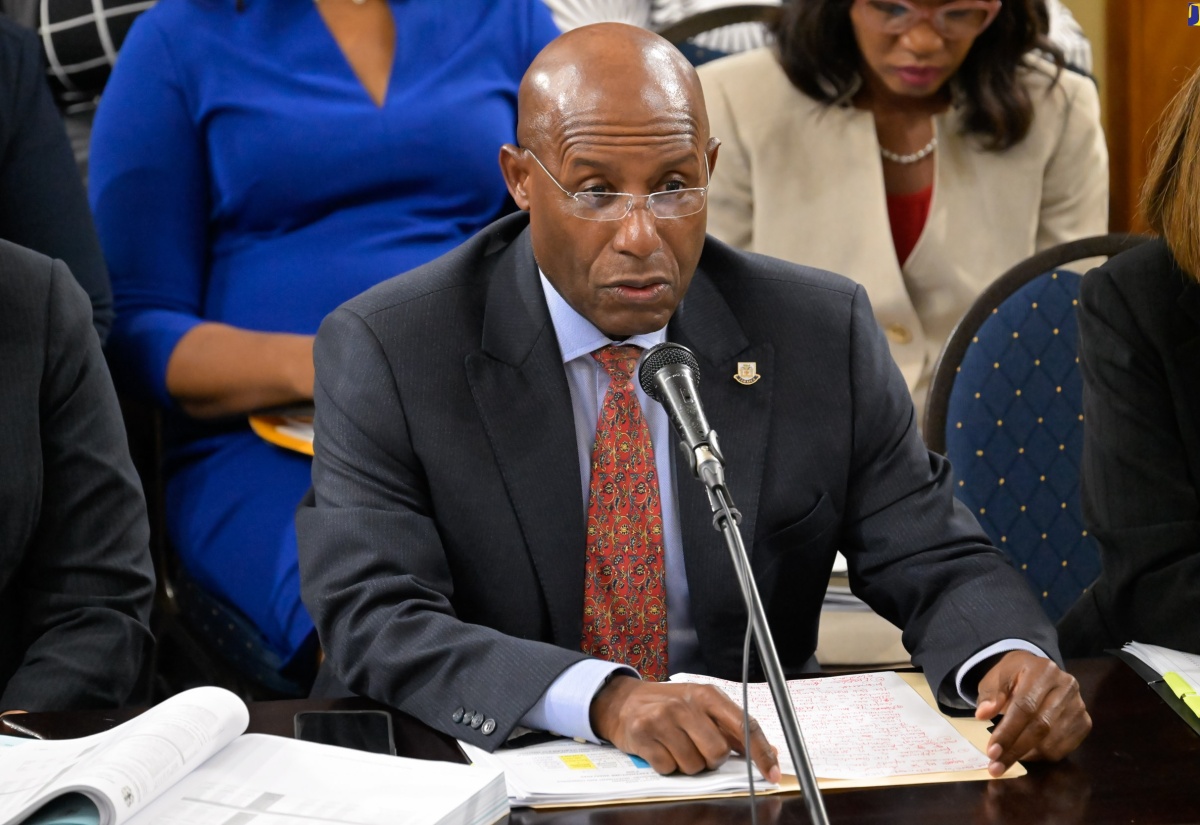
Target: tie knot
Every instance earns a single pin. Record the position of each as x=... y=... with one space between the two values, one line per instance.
x=620 y=361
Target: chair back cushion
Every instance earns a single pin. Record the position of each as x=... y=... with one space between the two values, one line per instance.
x=1014 y=434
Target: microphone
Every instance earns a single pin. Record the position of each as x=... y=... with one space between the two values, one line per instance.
x=670 y=374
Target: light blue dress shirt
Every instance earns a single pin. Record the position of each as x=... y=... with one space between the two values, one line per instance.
x=565 y=706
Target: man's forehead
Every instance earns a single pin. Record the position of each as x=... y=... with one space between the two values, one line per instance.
x=649 y=94
x=653 y=80
x=664 y=130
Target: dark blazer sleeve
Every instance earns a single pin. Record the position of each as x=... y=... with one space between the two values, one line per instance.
x=84 y=585
x=916 y=555
x=373 y=569
x=1139 y=490
x=43 y=205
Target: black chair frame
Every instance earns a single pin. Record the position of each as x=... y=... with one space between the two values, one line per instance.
x=710 y=19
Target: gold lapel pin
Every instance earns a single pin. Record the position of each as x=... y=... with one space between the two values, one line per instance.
x=747 y=373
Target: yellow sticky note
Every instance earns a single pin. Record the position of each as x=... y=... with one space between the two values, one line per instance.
x=1193 y=702
x=1178 y=685
x=578 y=762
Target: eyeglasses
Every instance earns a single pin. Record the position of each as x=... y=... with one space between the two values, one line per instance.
x=614 y=206
x=959 y=20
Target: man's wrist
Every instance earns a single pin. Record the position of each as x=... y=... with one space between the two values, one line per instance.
x=966 y=681
x=607 y=702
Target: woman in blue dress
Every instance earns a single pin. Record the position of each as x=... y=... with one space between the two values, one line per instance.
x=254 y=164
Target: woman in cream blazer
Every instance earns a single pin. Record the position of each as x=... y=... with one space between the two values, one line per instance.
x=803 y=180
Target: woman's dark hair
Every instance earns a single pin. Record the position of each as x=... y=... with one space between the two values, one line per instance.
x=820 y=56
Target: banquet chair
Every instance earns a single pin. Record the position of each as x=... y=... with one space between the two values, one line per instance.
x=682 y=33
x=1005 y=406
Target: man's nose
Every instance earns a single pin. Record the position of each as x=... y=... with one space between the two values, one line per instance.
x=638 y=231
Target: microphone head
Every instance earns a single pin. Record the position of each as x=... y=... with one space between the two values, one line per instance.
x=664 y=355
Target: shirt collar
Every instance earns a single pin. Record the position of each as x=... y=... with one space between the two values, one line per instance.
x=577 y=336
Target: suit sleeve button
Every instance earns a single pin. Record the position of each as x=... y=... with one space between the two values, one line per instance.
x=489 y=725
x=477 y=720
x=457 y=716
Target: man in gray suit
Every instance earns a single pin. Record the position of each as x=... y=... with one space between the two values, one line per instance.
x=76 y=580
x=446 y=550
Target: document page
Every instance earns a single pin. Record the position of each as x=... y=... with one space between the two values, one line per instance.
x=859 y=726
x=271 y=780
x=1165 y=660
x=565 y=772
x=122 y=769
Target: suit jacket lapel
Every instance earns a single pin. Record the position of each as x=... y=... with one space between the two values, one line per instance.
x=740 y=414
x=520 y=388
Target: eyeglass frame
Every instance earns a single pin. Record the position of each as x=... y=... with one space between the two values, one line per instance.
x=631 y=198
x=933 y=15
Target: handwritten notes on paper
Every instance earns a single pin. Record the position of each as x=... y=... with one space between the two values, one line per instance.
x=864 y=725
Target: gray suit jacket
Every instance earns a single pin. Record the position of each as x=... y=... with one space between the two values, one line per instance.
x=1139 y=328
x=441 y=551
x=75 y=575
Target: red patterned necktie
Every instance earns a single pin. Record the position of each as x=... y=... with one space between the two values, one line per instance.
x=625 y=585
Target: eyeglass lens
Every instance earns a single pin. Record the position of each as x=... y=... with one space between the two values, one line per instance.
x=953 y=21
x=612 y=206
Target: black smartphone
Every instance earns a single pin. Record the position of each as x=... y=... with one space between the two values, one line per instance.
x=364 y=730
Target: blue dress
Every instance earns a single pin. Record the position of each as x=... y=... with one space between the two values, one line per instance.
x=240 y=173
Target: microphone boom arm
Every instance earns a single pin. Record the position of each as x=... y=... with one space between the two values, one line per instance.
x=669 y=373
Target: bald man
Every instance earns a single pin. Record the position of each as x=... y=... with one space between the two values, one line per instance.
x=500 y=526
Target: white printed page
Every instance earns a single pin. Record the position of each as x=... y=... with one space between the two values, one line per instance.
x=31 y=770
x=1165 y=660
x=859 y=726
x=271 y=780
x=124 y=768
x=565 y=771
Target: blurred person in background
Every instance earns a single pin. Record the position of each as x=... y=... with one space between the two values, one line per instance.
x=1056 y=19
x=255 y=163
x=921 y=148
x=42 y=203
x=76 y=580
x=1139 y=350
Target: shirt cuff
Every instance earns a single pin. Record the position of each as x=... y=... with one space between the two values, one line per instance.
x=565 y=707
x=970 y=693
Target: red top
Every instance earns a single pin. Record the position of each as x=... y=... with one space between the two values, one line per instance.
x=907 y=214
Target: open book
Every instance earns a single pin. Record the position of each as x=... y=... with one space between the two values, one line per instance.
x=187 y=761
x=861 y=730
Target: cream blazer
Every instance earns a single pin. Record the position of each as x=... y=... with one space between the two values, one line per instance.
x=803 y=181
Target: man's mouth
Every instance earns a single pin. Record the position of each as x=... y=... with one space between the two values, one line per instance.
x=636 y=291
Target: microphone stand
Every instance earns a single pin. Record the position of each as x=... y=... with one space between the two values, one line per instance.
x=708 y=466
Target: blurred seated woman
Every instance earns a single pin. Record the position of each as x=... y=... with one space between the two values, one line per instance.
x=920 y=148
x=255 y=163
x=1139 y=337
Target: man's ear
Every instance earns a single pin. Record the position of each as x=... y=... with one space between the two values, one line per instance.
x=516 y=174
x=713 y=148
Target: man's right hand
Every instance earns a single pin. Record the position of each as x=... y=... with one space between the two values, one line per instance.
x=686 y=728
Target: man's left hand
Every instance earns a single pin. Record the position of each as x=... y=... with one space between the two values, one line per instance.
x=1044 y=715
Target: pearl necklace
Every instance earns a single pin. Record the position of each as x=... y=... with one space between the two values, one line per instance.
x=905 y=160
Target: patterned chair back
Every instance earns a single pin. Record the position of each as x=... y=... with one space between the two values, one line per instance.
x=81 y=39
x=1006 y=408
x=721 y=30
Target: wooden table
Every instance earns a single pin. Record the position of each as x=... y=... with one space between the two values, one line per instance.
x=1141 y=764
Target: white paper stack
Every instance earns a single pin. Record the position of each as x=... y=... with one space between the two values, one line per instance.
x=565 y=772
